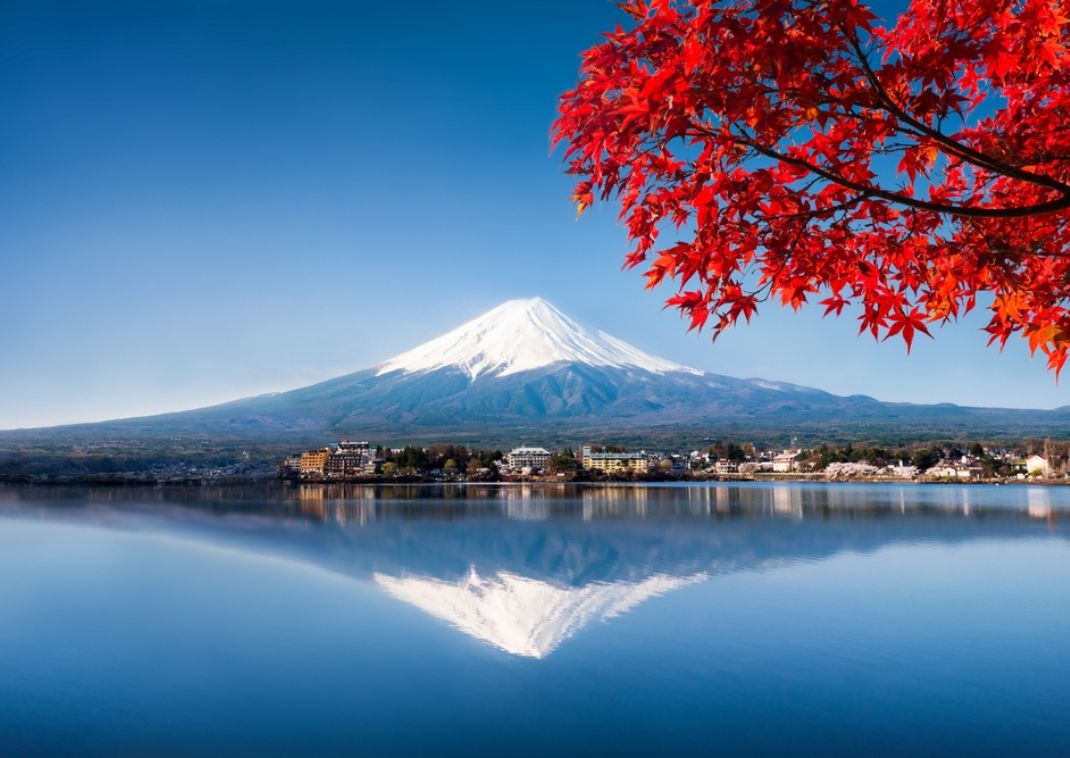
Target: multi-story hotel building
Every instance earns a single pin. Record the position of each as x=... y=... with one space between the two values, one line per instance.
x=615 y=463
x=350 y=459
x=314 y=462
x=528 y=457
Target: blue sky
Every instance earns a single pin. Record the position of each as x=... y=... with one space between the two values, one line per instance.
x=206 y=200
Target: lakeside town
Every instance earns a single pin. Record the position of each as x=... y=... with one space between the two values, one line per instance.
x=728 y=461
x=1036 y=460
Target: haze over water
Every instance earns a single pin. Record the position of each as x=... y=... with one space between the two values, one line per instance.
x=850 y=619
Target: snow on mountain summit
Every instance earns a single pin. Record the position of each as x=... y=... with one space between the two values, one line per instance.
x=521 y=335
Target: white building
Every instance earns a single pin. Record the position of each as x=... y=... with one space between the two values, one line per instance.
x=787 y=461
x=724 y=466
x=962 y=469
x=1037 y=465
x=528 y=457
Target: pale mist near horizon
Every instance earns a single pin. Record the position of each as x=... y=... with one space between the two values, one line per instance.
x=207 y=203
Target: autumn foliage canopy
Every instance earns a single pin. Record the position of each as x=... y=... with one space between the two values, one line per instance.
x=804 y=150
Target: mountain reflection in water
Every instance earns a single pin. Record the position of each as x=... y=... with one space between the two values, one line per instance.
x=738 y=619
x=520 y=615
x=525 y=568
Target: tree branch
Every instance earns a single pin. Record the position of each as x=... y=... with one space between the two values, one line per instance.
x=953 y=146
x=1050 y=206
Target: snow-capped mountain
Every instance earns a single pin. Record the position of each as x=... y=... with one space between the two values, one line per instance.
x=521 y=364
x=524 y=335
x=525 y=369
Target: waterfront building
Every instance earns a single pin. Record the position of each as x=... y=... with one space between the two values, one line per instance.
x=1037 y=465
x=964 y=468
x=615 y=463
x=351 y=459
x=314 y=462
x=290 y=466
x=528 y=457
x=787 y=461
x=725 y=466
x=342 y=465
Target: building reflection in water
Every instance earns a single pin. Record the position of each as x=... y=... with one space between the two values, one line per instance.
x=787 y=501
x=362 y=504
x=343 y=504
x=1040 y=502
x=614 y=502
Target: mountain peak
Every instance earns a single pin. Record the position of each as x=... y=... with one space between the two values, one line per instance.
x=522 y=335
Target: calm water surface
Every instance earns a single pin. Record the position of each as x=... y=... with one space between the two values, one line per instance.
x=522 y=620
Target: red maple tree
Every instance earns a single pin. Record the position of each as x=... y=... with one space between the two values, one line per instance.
x=799 y=149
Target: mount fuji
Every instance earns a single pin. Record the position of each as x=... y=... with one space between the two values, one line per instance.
x=524 y=368
x=525 y=335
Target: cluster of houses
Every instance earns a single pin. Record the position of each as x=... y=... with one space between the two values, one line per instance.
x=534 y=460
x=355 y=460
x=969 y=467
x=965 y=467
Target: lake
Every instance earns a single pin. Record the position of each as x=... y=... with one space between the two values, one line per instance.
x=483 y=620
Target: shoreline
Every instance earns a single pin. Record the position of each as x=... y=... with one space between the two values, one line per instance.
x=276 y=483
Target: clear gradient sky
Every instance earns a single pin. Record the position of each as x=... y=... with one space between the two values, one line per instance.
x=207 y=200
